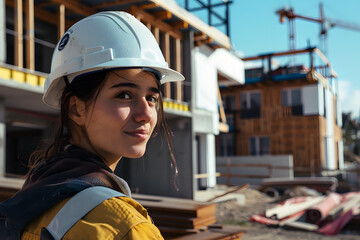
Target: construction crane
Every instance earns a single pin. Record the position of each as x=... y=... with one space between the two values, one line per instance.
x=325 y=25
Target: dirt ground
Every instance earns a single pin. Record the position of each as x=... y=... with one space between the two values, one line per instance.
x=232 y=213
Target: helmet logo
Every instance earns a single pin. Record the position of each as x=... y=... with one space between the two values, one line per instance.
x=63 y=42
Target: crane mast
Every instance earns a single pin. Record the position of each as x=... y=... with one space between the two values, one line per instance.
x=325 y=25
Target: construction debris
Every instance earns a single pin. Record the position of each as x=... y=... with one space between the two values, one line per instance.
x=326 y=215
x=184 y=219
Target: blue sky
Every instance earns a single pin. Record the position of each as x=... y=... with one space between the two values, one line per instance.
x=256 y=29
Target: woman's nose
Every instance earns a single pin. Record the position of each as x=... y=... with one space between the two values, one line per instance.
x=143 y=112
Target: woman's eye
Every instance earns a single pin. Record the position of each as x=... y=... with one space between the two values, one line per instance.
x=153 y=99
x=124 y=95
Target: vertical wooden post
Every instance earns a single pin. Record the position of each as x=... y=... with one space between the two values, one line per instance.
x=166 y=51
x=61 y=19
x=30 y=35
x=221 y=107
x=18 y=40
x=148 y=25
x=156 y=32
x=178 y=85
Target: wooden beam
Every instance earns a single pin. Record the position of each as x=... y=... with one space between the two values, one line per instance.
x=205 y=41
x=146 y=17
x=178 y=67
x=148 y=6
x=221 y=107
x=18 y=39
x=114 y=3
x=199 y=36
x=43 y=15
x=30 y=35
x=76 y=7
x=61 y=19
x=162 y=15
x=44 y=4
x=166 y=52
x=180 y=25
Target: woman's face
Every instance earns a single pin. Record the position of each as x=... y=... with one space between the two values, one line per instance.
x=121 y=120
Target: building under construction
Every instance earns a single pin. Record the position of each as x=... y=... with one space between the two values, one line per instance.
x=289 y=110
x=29 y=31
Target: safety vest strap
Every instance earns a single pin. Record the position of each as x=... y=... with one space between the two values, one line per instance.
x=77 y=207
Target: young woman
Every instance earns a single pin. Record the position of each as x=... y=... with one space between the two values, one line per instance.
x=105 y=78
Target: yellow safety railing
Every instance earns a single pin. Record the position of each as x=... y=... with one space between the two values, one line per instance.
x=12 y=73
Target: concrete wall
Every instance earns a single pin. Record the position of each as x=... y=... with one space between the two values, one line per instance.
x=274 y=160
x=152 y=174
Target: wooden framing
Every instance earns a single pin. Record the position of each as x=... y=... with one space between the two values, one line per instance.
x=43 y=15
x=166 y=33
x=61 y=19
x=76 y=7
x=18 y=39
x=114 y=3
x=299 y=135
x=180 y=25
x=162 y=15
x=148 y=18
x=156 y=32
x=166 y=52
x=30 y=38
x=178 y=85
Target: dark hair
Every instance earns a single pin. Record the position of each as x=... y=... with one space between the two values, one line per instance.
x=87 y=88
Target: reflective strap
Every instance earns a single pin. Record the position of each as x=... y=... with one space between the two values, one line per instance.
x=77 y=207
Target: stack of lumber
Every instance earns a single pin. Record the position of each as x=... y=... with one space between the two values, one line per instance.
x=185 y=219
x=322 y=214
x=320 y=184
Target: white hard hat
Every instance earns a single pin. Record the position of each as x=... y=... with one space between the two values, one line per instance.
x=106 y=40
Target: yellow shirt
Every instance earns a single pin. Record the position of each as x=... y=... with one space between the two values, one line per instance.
x=115 y=218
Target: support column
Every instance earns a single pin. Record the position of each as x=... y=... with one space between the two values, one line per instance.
x=166 y=51
x=61 y=19
x=18 y=39
x=2 y=32
x=188 y=46
x=30 y=35
x=178 y=85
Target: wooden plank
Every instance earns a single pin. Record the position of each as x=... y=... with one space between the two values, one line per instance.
x=180 y=25
x=156 y=32
x=104 y=5
x=221 y=107
x=30 y=38
x=178 y=85
x=179 y=206
x=18 y=38
x=148 y=6
x=162 y=15
x=187 y=223
x=147 y=17
x=76 y=7
x=166 y=51
x=43 y=15
x=224 y=233
x=61 y=21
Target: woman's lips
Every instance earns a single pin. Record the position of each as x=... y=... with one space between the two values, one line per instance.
x=141 y=134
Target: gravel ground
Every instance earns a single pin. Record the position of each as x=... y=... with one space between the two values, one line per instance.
x=231 y=213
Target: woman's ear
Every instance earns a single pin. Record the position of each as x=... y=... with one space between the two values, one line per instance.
x=77 y=111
